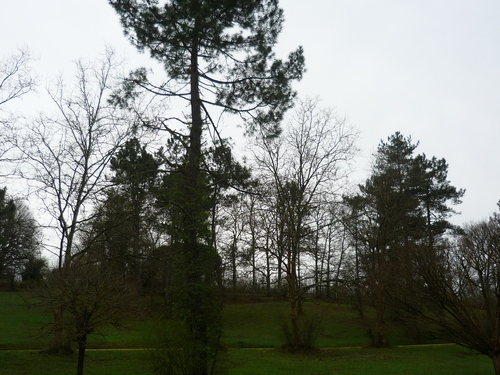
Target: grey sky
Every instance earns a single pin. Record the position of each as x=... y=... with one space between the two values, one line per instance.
x=427 y=68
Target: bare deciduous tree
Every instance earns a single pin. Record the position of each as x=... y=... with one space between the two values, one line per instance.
x=92 y=299
x=458 y=289
x=15 y=76
x=304 y=168
x=64 y=156
x=15 y=81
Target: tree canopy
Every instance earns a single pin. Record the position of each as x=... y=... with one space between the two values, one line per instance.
x=215 y=53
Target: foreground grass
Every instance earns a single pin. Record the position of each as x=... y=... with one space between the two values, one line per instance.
x=26 y=362
x=436 y=360
x=440 y=360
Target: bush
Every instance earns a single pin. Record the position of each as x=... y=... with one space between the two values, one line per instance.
x=308 y=334
x=175 y=353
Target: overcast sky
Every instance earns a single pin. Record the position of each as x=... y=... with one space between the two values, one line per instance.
x=426 y=68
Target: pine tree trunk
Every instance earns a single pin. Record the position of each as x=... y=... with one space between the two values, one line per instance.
x=196 y=286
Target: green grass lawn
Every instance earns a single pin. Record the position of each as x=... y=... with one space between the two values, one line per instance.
x=440 y=360
x=252 y=334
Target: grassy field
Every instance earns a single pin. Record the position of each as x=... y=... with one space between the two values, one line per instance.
x=252 y=336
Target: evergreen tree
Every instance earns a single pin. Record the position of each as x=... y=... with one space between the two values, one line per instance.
x=226 y=175
x=135 y=173
x=402 y=210
x=19 y=237
x=216 y=54
x=435 y=192
x=120 y=228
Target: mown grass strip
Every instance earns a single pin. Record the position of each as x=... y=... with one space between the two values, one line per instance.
x=422 y=360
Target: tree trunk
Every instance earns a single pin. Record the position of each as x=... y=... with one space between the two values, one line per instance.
x=254 y=272
x=136 y=249
x=82 y=345
x=495 y=357
x=234 y=276
x=328 y=249
x=197 y=321
x=196 y=288
x=359 y=298
x=380 y=340
x=268 y=270
x=60 y=343
x=295 y=316
x=293 y=297
x=339 y=265
x=57 y=341
x=318 y=274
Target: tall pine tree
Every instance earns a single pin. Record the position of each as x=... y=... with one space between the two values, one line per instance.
x=402 y=210
x=218 y=55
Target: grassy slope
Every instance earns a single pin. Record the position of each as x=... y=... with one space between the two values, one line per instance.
x=19 y=327
x=258 y=325
x=247 y=326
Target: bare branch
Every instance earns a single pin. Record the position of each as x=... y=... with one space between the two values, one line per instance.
x=15 y=76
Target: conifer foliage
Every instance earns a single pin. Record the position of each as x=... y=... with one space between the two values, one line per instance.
x=399 y=215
